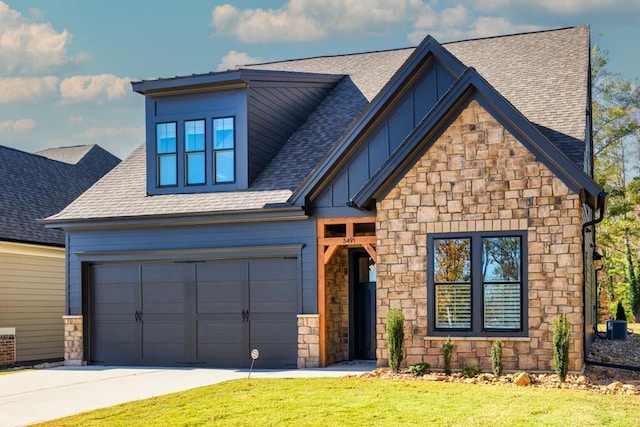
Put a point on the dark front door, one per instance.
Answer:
(363, 306)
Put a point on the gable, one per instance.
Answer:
(470, 86)
(403, 102)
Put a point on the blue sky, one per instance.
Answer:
(65, 65)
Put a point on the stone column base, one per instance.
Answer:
(308, 341)
(7, 346)
(73, 341)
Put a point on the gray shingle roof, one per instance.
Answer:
(543, 74)
(71, 155)
(34, 187)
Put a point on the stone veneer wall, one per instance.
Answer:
(478, 177)
(7, 346)
(337, 282)
(308, 341)
(73, 341)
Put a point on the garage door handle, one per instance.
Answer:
(138, 316)
(245, 315)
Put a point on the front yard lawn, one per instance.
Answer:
(367, 402)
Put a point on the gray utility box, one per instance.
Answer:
(616, 329)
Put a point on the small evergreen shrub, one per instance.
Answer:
(447, 349)
(395, 338)
(419, 369)
(620, 314)
(496, 358)
(561, 345)
(471, 371)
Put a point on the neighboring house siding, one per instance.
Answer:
(171, 240)
(32, 288)
(478, 177)
(429, 85)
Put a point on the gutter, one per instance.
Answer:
(601, 206)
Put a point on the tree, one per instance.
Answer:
(616, 136)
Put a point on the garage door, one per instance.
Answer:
(207, 313)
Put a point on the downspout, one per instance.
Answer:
(600, 205)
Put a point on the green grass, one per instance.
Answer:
(366, 402)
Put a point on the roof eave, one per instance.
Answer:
(276, 213)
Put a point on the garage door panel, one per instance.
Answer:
(219, 297)
(221, 341)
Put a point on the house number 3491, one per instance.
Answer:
(349, 240)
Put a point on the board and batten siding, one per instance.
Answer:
(32, 287)
(395, 124)
(97, 245)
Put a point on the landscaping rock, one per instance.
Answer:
(522, 379)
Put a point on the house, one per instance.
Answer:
(32, 257)
(287, 206)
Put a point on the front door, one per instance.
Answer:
(363, 306)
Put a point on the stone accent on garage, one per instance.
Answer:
(478, 177)
(7, 346)
(73, 341)
(308, 341)
(337, 282)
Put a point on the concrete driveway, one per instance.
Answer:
(32, 396)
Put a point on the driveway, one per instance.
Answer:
(33, 396)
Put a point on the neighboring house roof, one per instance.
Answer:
(70, 155)
(35, 186)
(544, 75)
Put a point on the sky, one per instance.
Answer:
(66, 65)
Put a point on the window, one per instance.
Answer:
(166, 154)
(475, 284)
(194, 134)
(223, 145)
(194, 157)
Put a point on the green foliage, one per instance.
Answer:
(620, 314)
(471, 371)
(395, 338)
(419, 369)
(447, 349)
(496, 358)
(561, 330)
(616, 135)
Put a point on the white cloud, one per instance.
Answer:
(31, 48)
(233, 59)
(309, 20)
(113, 132)
(22, 125)
(75, 120)
(85, 88)
(15, 89)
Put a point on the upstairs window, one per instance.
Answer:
(476, 284)
(194, 152)
(195, 155)
(223, 150)
(166, 154)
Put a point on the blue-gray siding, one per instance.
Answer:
(131, 244)
(394, 125)
(275, 112)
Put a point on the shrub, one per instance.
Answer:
(561, 345)
(471, 371)
(496, 358)
(395, 338)
(419, 369)
(620, 314)
(447, 349)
